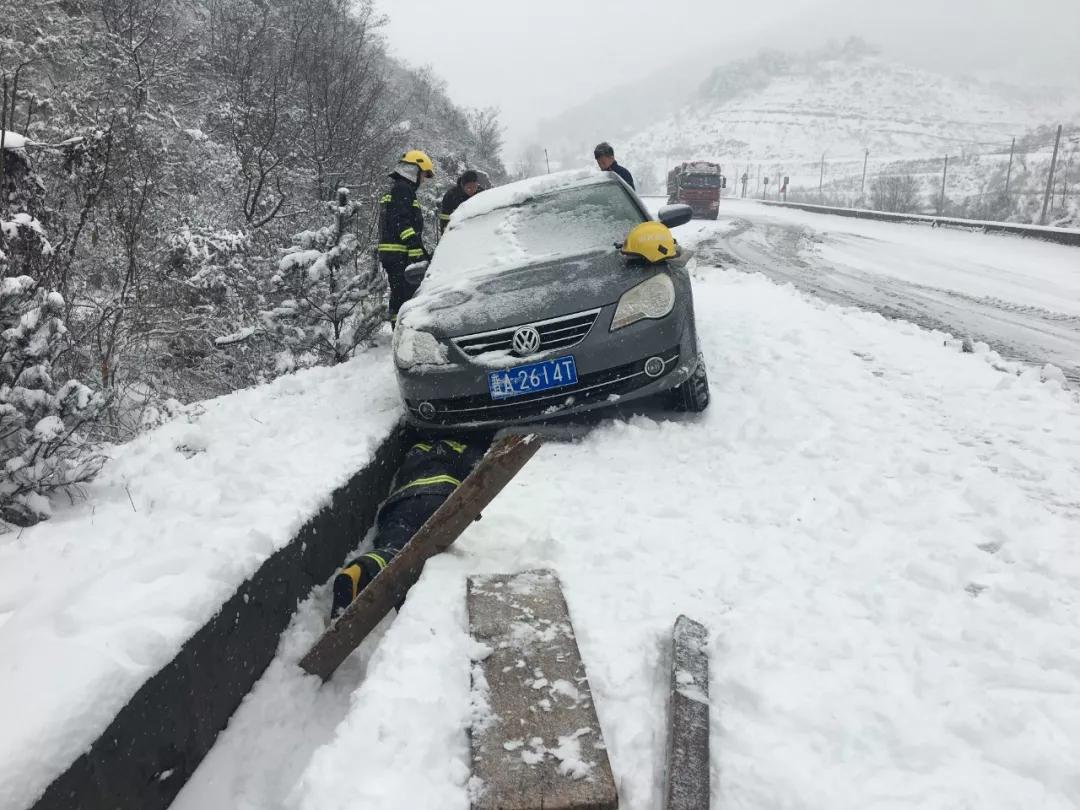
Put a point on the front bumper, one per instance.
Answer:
(611, 370)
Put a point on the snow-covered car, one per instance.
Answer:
(529, 310)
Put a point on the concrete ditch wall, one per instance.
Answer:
(159, 738)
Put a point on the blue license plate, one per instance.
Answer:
(514, 382)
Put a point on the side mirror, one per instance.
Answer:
(415, 273)
(675, 215)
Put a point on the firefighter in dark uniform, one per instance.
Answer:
(402, 226)
(431, 471)
(467, 185)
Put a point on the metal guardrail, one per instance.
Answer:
(1062, 236)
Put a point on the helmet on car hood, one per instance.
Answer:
(651, 241)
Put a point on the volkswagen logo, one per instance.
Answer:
(526, 341)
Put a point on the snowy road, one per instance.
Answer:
(879, 530)
(1022, 297)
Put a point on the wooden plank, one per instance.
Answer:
(536, 739)
(501, 463)
(688, 730)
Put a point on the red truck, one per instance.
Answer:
(698, 184)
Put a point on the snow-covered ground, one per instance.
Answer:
(878, 529)
(1021, 296)
(95, 601)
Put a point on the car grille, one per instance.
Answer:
(590, 388)
(555, 333)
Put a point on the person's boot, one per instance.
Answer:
(353, 578)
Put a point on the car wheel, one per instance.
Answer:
(693, 395)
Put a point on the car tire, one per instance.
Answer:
(692, 396)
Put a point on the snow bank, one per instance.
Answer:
(94, 602)
(879, 531)
(13, 140)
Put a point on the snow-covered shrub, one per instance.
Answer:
(41, 421)
(329, 297)
(897, 193)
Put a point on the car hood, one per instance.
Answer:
(522, 294)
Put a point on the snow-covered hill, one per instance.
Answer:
(779, 107)
(778, 114)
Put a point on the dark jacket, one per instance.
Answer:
(401, 223)
(450, 202)
(435, 467)
(623, 172)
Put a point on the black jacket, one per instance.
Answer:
(401, 223)
(450, 202)
(435, 467)
(623, 172)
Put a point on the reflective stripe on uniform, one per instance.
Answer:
(415, 203)
(423, 482)
(422, 446)
(385, 198)
(444, 217)
(457, 447)
(388, 248)
(408, 233)
(379, 561)
(416, 253)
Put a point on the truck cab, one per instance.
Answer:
(698, 184)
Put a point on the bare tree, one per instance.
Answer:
(897, 193)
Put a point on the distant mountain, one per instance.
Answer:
(783, 111)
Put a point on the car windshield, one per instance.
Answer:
(576, 221)
(701, 181)
(569, 222)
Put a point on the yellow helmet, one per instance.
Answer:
(418, 158)
(651, 241)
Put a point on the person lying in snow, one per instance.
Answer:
(431, 471)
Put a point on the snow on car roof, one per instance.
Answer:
(517, 193)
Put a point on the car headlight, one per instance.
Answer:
(414, 348)
(654, 298)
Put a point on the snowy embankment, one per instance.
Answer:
(879, 530)
(98, 599)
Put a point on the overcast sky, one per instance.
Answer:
(533, 58)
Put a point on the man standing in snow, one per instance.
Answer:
(402, 225)
(467, 185)
(605, 159)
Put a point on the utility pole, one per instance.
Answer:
(1008, 174)
(821, 182)
(1065, 181)
(1050, 179)
(944, 174)
(547, 160)
(862, 185)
